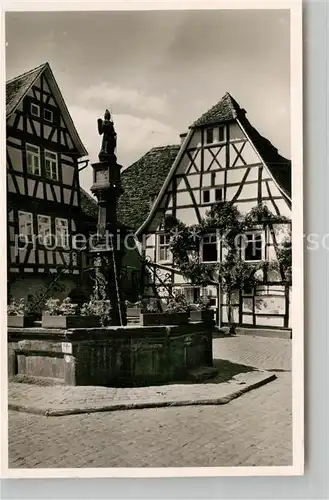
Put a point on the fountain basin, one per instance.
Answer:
(111, 356)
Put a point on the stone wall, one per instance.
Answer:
(110, 356)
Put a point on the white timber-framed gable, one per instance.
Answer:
(43, 149)
(223, 158)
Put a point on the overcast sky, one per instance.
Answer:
(158, 71)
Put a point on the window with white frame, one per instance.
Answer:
(221, 133)
(163, 247)
(209, 248)
(62, 232)
(192, 294)
(35, 109)
(44, 228)
(205, 196)
(25, 224)
(207, 294)
(33, 159)
(51, 165)
(209, 135)
(219, 194)
(253, 246)
(48, 115)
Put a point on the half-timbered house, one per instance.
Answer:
(43, 190)
(222, 157)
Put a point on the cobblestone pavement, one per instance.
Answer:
(252, 430)
(232, 381)
(263, 353)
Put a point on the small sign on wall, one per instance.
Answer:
(67, 347)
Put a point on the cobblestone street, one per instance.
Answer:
(253, 430)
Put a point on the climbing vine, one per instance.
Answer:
(232, 273)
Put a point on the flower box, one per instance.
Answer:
(74, 321)
(20, 321)
(154, 319)
(205, 316)
(133, 312)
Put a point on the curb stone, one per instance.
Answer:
(143, 405)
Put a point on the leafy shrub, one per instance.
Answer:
(203, 304)
(21, 308)
(152, 306)
(53, 307)
(101, 308)
(177, 303)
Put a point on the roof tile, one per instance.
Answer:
(142, 182)
(17, 87)
(227, 109)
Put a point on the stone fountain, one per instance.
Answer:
(116, 355)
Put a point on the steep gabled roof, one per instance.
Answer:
(226, 110)
(142, 182)
(17, 88)
(88, 204)
(279, 167)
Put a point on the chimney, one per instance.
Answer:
(182, 137)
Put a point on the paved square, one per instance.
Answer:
(253, 430)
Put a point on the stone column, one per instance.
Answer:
(107, 188)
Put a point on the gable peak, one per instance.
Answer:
(227, 109)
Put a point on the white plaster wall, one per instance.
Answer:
(195, 139)
(15, 155)
(235, 131)
(187, 216)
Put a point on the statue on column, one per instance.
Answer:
(109, 142)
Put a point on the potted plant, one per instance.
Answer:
(66, 315)
(202, 311)
(19, 314)
(100, 309)
(134, 309)
(176, 312)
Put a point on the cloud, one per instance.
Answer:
(119, 99)
(135, 136)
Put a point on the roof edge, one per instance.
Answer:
(45, 68)
(165, 184)
(283, 191)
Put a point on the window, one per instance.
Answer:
(25, 224)
(163, 247)
(192, 294)
(44, 228)
(206, 196)
(33, 159)
(207, 294)
(209, 136)
(62, 232)
(209, 248)
(252, 246)
(221, 134)
(219, 194)
(51, 165)
(48, 115)
(35, 109)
